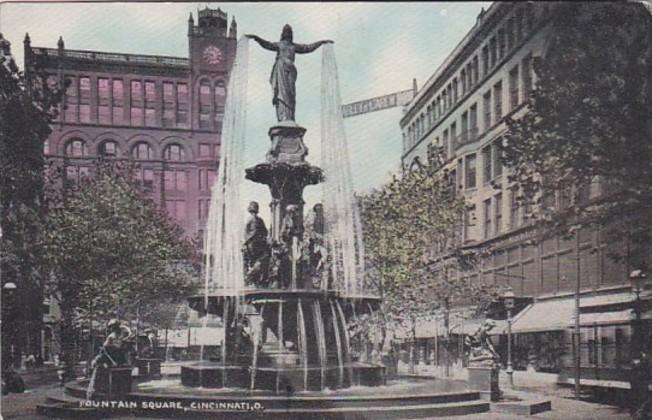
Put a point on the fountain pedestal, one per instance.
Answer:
(113, 382)
(149, 367)
(485, 380)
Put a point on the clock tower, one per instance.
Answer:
(212, 51)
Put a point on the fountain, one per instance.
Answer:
(286, 321)
(286, 296)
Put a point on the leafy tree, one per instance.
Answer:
(27, 106)
(412, 232)
(588, 122)
(112, 252)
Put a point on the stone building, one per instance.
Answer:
(460, 111)
(164, 113)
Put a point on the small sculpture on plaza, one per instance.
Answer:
(284, 73)
(481, 350)
(256, 249)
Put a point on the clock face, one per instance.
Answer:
(212, 55)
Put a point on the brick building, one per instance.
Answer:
(461, 111)
(164, 113)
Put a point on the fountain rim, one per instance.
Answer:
(285, 293)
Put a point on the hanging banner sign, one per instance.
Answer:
(378, 103)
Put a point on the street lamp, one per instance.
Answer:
(639, 380)
(8, 319)
(508, 299)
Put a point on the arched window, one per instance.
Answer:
(142, 151)
(220, 88)
(76, 148)
(174, 152)
(109, 148)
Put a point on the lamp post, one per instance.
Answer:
(639, 381)
(508, 299)
(8, 321)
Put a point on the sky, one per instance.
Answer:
(380, 48)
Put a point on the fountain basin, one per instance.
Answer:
(281, 380)
(408, 398)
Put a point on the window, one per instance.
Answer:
(450, 95)
(76, 148)
(71, 100)
(446, 150)
(473, 122)
(487, 110)
(109, 148)
(499, 213)
(174, 152)
(74, 174)
(526, 75)
(460, 174)
(85, 99)
(493, 50)
(485, 61)
(207, 150)
(501, 43)
(465, 127)
(510, 33)
(146, 178)
(497, 154)
(182, 105)
(583, 193)
(498, 101)
(118, 102)
(220, 98)
(487, 163)
(470, 162)
(142, 151)
(454, 139)
(103, 110)
(476, 70)
(455, 90)
(514, 208)
(150, 101)
(176, 209)
(469, 75)
(463, 79)
(168, 104)
(204, 104)
(136, 103)
(174, 180)
(487, 218)
(513, 87)
(519, 24)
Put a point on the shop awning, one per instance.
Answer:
(559, 314)
(549, 315)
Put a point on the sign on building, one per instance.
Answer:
(378, 103)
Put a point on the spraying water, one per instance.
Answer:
(343, 228)
(225, 225)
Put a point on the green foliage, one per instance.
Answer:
(27, 106)
(113, 253)
(589, 122)
(412, 232)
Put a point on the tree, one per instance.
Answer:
(412, 231)
(27, 107)
(112, 252)
(589, 122)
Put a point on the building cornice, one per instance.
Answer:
(461, 52)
